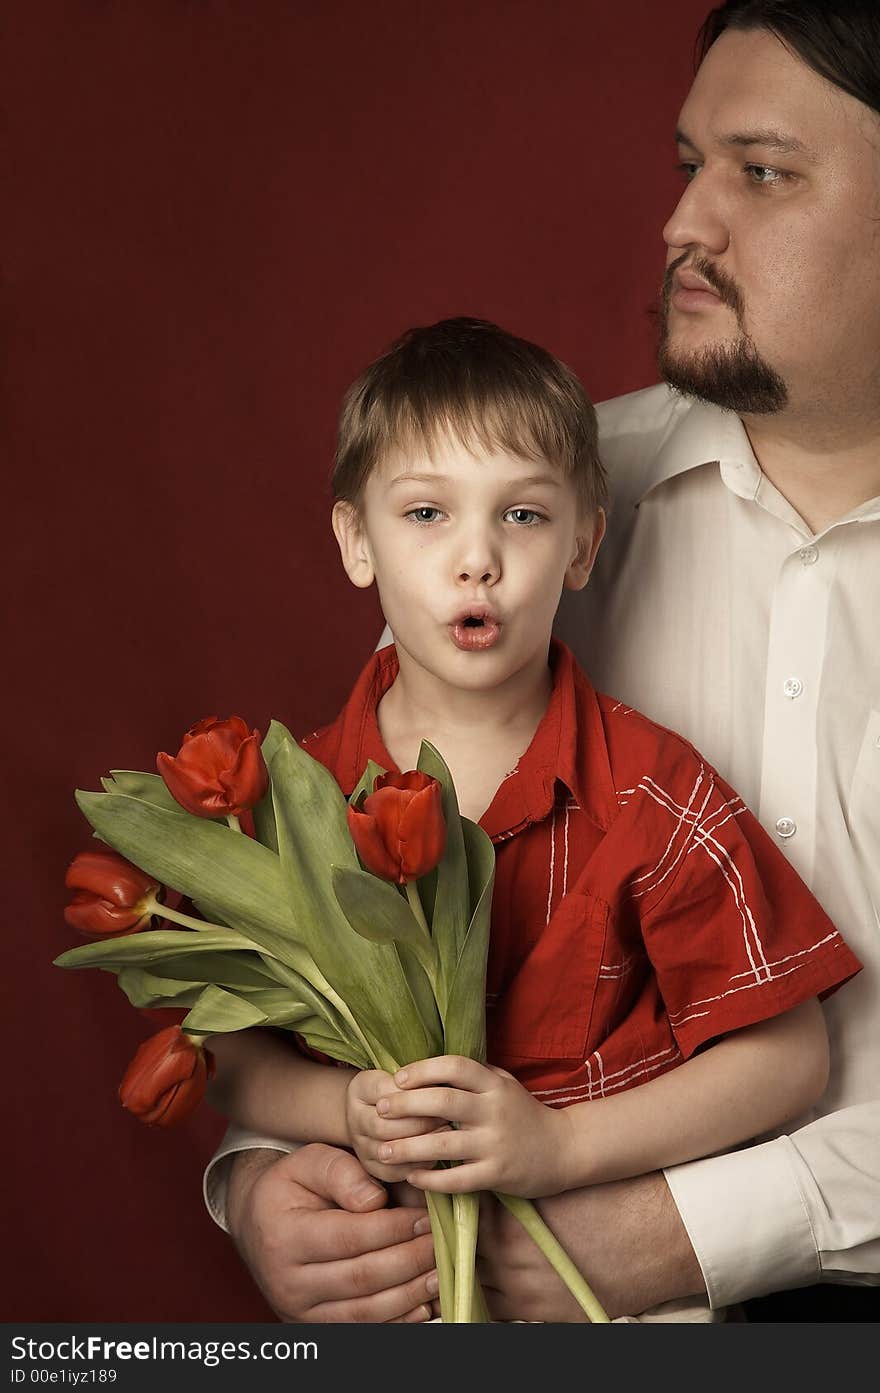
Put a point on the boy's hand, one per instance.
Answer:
(504, 1138)
(368, 1131)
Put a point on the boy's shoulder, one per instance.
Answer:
(333, 744)
(648, 757)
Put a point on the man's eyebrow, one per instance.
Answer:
(767, 138)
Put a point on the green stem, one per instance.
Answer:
(558, 1258)
(233, 822)
(162, 911)
(443, 1233)
(427, 953)
(466, 1209)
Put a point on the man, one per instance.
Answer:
(735, 600)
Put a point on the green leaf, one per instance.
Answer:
(150, 947)
(147, 989)
(150, 788)
(367, 780)
(375, 909)
(218, 1011)
(465, 1016)
(313, 836)
(423, 996)
(227, 876)
(451, 909)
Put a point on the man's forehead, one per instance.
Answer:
(751, 85)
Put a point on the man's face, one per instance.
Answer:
(470, 553)
(772, 294)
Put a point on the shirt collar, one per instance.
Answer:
(568, 747)
(705, 434)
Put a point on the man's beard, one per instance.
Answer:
(732, 375)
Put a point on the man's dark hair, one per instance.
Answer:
(839, 39)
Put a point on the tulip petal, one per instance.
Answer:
(371, 845)
(247, 781)
(422, 832)
(109, 876)
(197, 794)
(90, 915)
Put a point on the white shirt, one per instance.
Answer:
(715, 611)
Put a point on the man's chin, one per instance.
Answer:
(730, 375)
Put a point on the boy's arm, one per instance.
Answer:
(264, 1084)
(751, 1081)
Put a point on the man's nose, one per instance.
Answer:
(699, 218)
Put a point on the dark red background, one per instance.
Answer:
(217, 214)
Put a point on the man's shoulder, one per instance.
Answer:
(649, 411)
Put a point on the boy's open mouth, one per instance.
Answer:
(475, 629)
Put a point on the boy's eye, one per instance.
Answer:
(524, 517)
(423, 515)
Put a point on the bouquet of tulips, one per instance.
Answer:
(361, 925)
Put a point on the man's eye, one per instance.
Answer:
(423, 515)
(524, 517)
(689, 168)
(765, 174)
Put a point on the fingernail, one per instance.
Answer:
(422, 1225)
(383, 1105)
(432, 1285)
(384, 1152)
(401, 1076)
(367, 1191)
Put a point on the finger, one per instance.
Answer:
(336, 1235)
(447, 1145)
(459, 1180)
(335, 1175)
(382, 1129)
(452, 1104)
(455, 1069)
(421, 1313)
(378, 1286)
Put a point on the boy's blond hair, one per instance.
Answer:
(485, 387)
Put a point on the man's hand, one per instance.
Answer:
(320, 1243)
(626, 1237)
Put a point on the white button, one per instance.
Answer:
(792, 686)
(786, 826)
(809, 555)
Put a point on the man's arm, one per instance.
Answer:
(785, 1213)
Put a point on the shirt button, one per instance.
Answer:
(792, 687)
(809, 555)
(786, 826)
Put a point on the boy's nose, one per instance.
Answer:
(479, 562)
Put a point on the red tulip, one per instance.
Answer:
(398, 829)
(166, 1080)
(219, 769)
(112, 896)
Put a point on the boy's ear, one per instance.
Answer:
(354, 548)
(588, 543)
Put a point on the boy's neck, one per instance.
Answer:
(480, 733)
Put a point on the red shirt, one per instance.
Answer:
(639, 910)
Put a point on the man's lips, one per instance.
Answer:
(691, 292)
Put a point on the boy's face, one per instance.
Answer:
(470, 553)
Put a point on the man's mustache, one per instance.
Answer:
(723, 285)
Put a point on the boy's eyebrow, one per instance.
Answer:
(768, 138)
(533, 479)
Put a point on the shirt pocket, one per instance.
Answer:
(547, 1009)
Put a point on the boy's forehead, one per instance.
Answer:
(450, 458)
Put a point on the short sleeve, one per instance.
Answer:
(733, 933)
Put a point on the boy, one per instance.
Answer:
(640, 913)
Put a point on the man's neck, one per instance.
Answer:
(824, 470)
